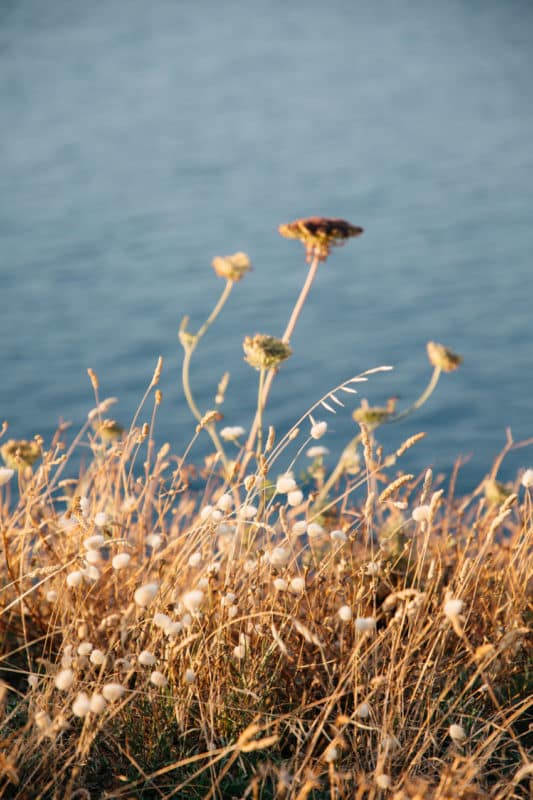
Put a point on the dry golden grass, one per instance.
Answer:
(390, 659)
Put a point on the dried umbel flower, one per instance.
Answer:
(285, 484)
(81, 705)
(146, 658)
(453, 607)
(319, 234)
(421, 513)
(121, 560)
(232, 432)
(193, 600)
(345, 613)
(265, 352)
(158, 679)
(495, 492)
(233, 267)
(19, 454)
(64, 680)
(318, 429)
(443, 358)
(113, 691)
(108, 429)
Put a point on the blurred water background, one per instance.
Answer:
(138, 140)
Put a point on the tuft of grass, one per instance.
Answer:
(291, 632)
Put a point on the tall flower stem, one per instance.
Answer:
(289, 330)
(260, 406)
(190, 342)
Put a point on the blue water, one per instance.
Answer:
(138, 140)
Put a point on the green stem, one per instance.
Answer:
(426, 394)
(189, 348)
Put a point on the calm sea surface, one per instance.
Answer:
(138, 140)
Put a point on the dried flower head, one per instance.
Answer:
(265, 352)
(527, 479)
(19, 454)
(233, 267)
(319, 234)
(443, 358)
(495, 492)
(5, 475)
(108, 430)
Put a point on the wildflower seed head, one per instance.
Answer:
(265, 352)
(189, 676)
(85, 649)
(338, 536)
(154, 540)
(51, 596)
(280, 556)
(101, 519)
(81, 705)
(146, 658)
(443, 358)
(297, 585)
(372, 415)
(64, 680)
(232, 432)
(5, 475)
(318, 429)
(362, 711)
(97, 703)
(365, 624)
(232, 268)
(108, 430)
(193, 600)
(383, 781)
(97, 657)
(145, 594)
(33, 681)
(74, 578)
(195, 560)
(18, 454)
(457, 733)
(453, 607)
(158, 679)
(295, 498)
(42, 720)
(527, 479)
(317, 451)
(285, 484)
(319, 234)
(299, 528)
(121, 560)
(225, 502)
(345, 613)
(113, 692)
(94, 542)
(280, 584)
(331, 754)
(421, 513)
(314, 530)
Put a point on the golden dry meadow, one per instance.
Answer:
(238, 629)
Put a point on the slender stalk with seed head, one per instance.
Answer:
(190, 342)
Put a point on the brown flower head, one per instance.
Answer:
(233, 268)
(319, 234)
(441, 357)
(265, 352)
(374, 415)
(18, 453)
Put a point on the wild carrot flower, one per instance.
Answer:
(265, 352)
(19, 453)
(319, 234)
(232, 268)
(145, 594)
(443, 358)
(317, 451)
